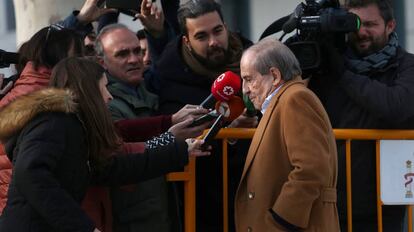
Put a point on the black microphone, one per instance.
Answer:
(292, 23)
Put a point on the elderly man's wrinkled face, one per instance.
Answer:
(207, 39)
(255, 85)
(374, 32)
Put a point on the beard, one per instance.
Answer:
(375, 44)
(217, 57)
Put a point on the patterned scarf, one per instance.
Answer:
(235, 49)
(374, 61)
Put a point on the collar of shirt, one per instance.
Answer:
(268, 99)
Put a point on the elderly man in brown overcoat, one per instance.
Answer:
(289, 178)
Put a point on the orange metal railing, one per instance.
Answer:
(188, 176)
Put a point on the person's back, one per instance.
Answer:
(372, 89)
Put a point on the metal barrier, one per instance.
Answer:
(188, 176)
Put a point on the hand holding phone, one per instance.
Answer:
(211, 134)
(205, 118)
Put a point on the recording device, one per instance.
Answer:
(250, 110)
(230, 110)
(225, 86)
(205, 118)
(316, 22)
(7, 58)
(128, 7)
(211, 134)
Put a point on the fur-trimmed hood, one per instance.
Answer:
(18, 113)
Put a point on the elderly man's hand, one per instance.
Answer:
(188, 112)
(151, 18)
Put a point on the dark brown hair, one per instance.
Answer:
(195, 8)
(384, 6)
(82, 75)
(49, 45)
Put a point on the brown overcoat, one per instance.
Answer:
(291, 166)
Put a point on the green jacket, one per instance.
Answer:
(126, 105)
(144, 206)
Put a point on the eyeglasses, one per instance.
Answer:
(52, 27)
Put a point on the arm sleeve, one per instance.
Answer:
(308, 134)
(131, 168)
(40, 150)
(72, 22)
(392, 102)
(142, 129)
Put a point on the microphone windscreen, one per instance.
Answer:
(230, 109)
(225, 86)
(250, 110)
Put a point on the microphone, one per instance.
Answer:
(250, 110)
(225, 86)
(227, 111)
(292, 23)
(230, 109)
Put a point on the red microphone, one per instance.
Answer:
(225, 86)
(230, 109)
(227, 111)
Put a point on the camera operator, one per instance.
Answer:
(368, 87)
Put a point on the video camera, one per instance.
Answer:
(7, 58)
(316, 22)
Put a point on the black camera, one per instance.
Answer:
(7, 58)
(316, 22)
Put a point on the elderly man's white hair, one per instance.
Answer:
(270, 52)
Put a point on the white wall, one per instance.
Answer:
(7, 38)
(409, 25)
(265, 12)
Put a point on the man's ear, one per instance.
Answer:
(390, 27)
(102, 62)
(277, 76)
(186, 42)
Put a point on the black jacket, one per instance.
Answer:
(177, 85)
(51, 172)
(381, 99)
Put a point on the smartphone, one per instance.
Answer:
(100, 3)
(211, 134)
(205, 118)
(124, 5)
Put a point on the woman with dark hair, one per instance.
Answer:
(62, 139)
(42, 52)
(38, 55)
